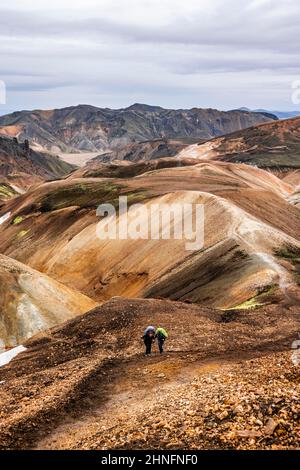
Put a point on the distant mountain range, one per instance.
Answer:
(274, 145)
(89, 129)
(279, 114)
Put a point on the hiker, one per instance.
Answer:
(161, 335)
(149, 338)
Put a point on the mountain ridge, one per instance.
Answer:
(89, 128)
(23, 166)
(274, 146)
(59, 222)
(279, 114)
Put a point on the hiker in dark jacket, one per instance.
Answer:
(149, 338)
(161, 335)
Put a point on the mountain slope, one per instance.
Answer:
(7, 191)
(23, 166)
(31, 302)
(274, 146)
(251, 242)
(86, 385)
(141, 151)
(126, 169)
(87, 128)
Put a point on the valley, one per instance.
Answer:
(77, 305)
(78, 159)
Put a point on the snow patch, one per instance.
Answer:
(7, 356)
(5, 217)
(17, 189)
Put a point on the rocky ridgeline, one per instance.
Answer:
(88, 128)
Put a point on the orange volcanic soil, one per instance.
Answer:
(251, 239)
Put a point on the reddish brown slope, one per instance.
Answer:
(251, 235)
(274, 145)
(22, 166)
(89, 376)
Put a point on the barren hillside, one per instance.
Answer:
(228, 379)
(22, 166)
(251, 236)
(274, 145)
(224, 382)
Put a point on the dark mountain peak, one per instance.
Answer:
(144, 108)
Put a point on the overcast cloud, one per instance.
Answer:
(112, 53)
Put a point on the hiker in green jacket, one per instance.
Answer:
(161, 335)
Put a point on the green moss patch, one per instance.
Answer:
(22, 234)
(6, 192)
(256, 301)
(288, 253)
(87, 195)
(17, 220)
(248, 304)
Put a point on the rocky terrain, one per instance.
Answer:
(21, 166)
(142, 151)
(224, 383)
(76, 305)
(87, 128)
(274, 146)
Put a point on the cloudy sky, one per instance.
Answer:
(174, 53)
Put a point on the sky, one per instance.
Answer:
(223, 54)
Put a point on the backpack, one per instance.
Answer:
(162, 332)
